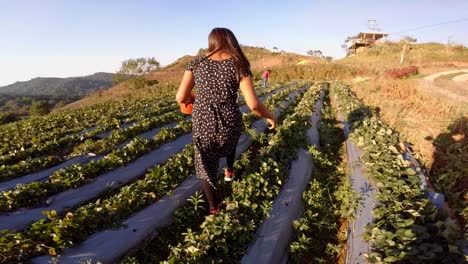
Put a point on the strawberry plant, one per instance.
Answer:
(329, 200)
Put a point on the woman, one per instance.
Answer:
(265, 76)
(216, 119)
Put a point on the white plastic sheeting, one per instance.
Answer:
(273, 237)
(356, 246)
(150, 134)
(85, 131)
(110, 245)
(43, 175)
(435, 198)
(121, 126)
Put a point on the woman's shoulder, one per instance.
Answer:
(198, 59)
(195, 61)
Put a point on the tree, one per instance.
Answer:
(407, 40)
(60, 104)
(345, 49)
(39, 108)
(410, 39)
(318, 54)
(315, 53)
(8, 117)
(12, 105)
(202, 51)
(135, 70)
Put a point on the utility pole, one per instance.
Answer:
(403, 52)
(419, 60)
(449, 43)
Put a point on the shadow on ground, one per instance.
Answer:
(449, 172)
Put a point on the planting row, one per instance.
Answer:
(406, 227)
(329, 202)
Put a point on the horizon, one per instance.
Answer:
(53, 39)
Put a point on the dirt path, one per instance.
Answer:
(434, 76)
(461, 78)
(453, 90)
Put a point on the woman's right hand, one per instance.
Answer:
(272, 123)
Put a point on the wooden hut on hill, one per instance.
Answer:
(362, 41)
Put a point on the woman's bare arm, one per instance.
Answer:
(185, 88)
(252, 101)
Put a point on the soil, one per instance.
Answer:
(454, 90)
(434, 76)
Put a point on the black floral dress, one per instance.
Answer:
(216, 119)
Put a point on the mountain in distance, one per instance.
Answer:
(75, 87)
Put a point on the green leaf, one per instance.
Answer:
(393, 149)
(410, 172)
(409, 233)
(391, 259)
(52, 251)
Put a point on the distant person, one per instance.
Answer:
(216, 119)
(265, 76)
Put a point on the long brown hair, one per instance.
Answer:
(222, 39)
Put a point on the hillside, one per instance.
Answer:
(429, 108)
(428, 56)
(73, 86)
(169, 75)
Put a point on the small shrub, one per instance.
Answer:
(402, 72)
(8, 117)
(39, 108)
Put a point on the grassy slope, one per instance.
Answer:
(170, 75)
(405, 104)
(425, 55)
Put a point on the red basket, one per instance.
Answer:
(186, 108)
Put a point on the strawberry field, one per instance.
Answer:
(115, 183)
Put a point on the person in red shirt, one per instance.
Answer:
(265, 76)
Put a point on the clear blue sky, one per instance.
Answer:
(58, 38)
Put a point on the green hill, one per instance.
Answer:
(68, 87)
(16, 99)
